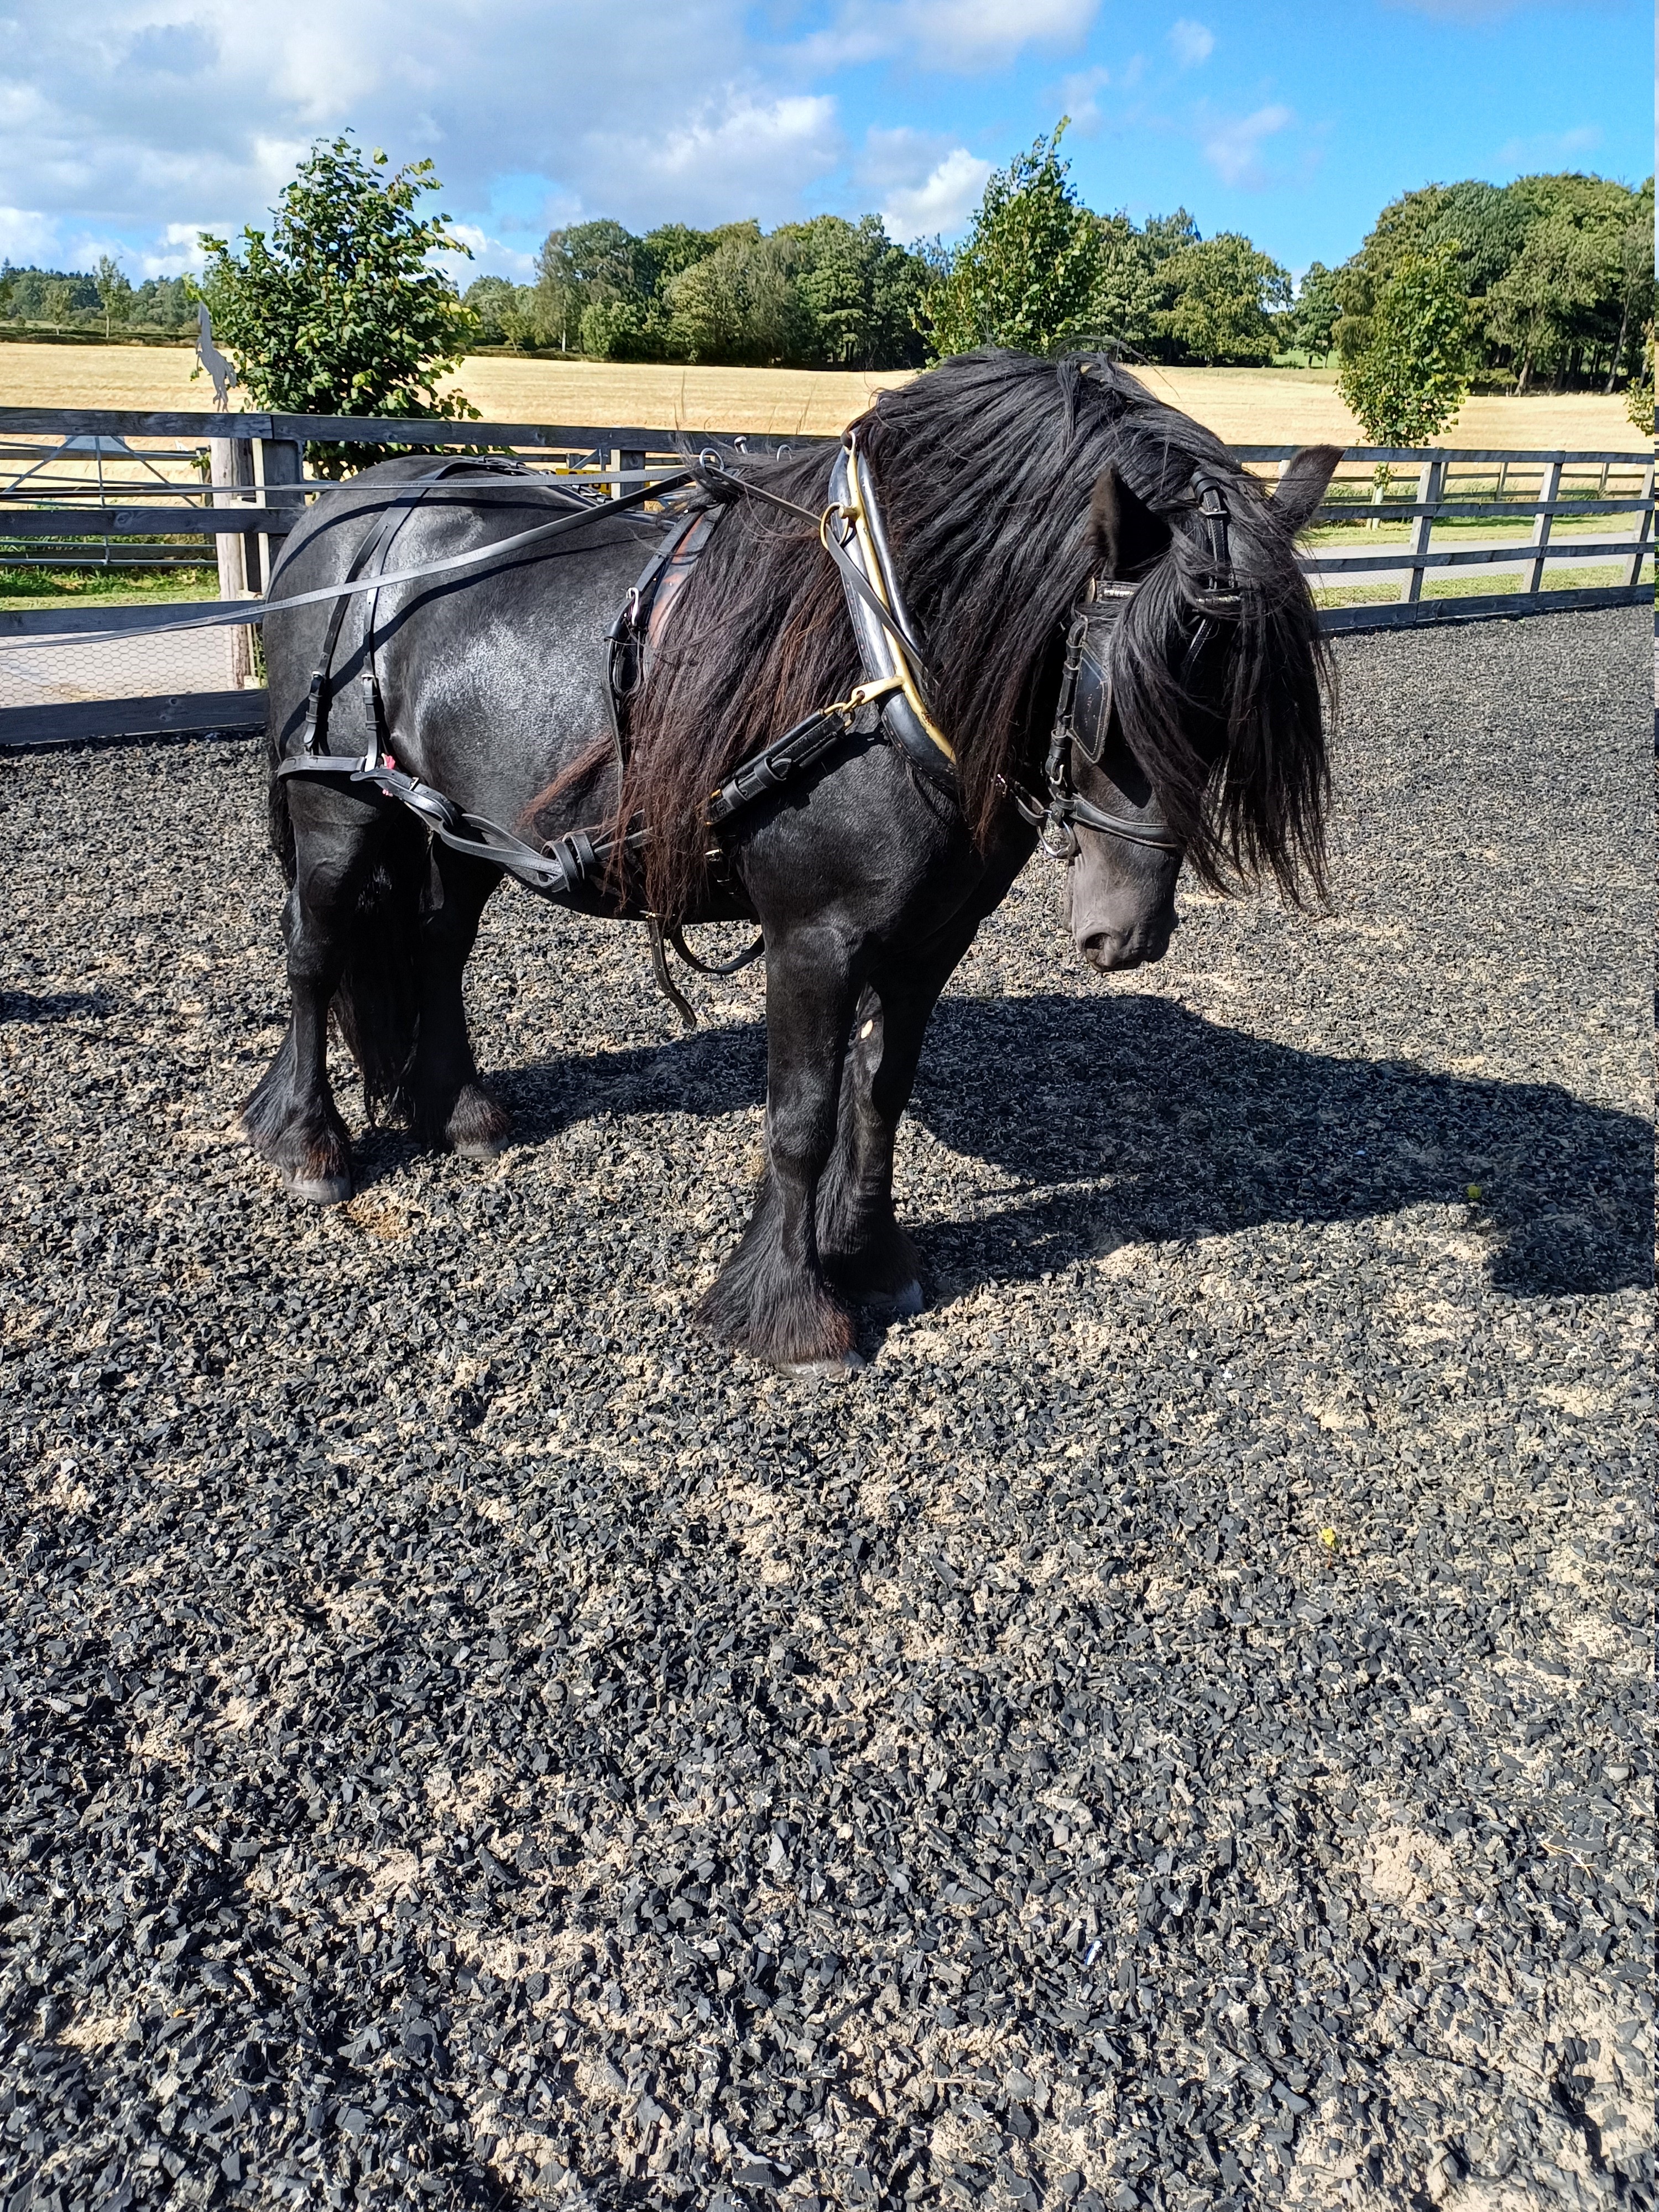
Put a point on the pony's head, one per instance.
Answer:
(1197, 731)
(1013, 485)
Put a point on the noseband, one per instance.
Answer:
(1082, 718)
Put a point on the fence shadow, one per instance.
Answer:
(1162, 1126)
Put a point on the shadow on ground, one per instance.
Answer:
(1165, 1125)
(51, 1005)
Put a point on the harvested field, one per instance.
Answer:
(1247, 407)
(1169, 1734)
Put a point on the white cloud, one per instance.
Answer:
(1191, 42)
(25, 236)
(948, 35)
(938, 204)
(1492, 11)
(1080, 95)
(1546, 147)
(123, 118)
(489, 254)
(1233, 149)
(923, 185)
(728, 161)
(110, 123)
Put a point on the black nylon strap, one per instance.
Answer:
(397, 514)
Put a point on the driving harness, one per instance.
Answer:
(889, 702)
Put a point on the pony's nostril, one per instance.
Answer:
(1109, 949)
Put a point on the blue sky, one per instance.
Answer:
(126, 126)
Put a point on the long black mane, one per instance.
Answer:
(986, 467)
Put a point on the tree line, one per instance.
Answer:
(824, 294)
(1555, 274)
(103, 297)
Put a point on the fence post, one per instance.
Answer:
(622, 457)
(231, 464)
(1643, 524)
(1541, 528)
(284, 465)
(1428, 496)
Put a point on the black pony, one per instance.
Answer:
(1011, 488)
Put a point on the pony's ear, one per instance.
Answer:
(1303, 486)
(1122, 530)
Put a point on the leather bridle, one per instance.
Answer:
(1083, 718)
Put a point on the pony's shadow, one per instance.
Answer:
(50, 1005)
(1128, 1119)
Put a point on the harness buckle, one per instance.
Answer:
(863, 695)
(1057, 838)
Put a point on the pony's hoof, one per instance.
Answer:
(897, 1305)
(477, 1128)
(815, 1371)
(482, 1148)
(317, 1190)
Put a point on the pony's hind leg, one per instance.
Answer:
(771, 1297)
(452, 1106)
(291, 1119)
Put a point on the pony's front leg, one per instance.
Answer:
(771, 1297)
(291, 1119)
(865, 1253)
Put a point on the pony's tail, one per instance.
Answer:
(376, 1008)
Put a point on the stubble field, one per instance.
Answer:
(1244, 406)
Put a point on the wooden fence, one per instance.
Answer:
(236, 482)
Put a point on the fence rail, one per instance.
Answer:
(243, 485)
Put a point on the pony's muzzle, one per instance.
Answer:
(1120, 915)
(1109, 950)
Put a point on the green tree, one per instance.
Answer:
(483, 299)
(1638, 395)
(1124, 303)
(1412, 375)
(663, 253)
(1311, 323)
(1221, 290)
(57, 300)
(152, 300)
(338, 311)
(1636, 285)
(741, 303)
(862, 294)
(1487, 224)
(114, 292)
(1538, 307)
(1025, 275)
(583, 265)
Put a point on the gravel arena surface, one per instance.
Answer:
(1169, 1733)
